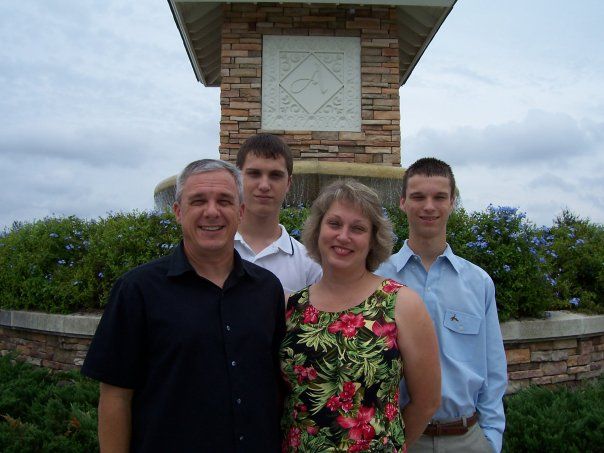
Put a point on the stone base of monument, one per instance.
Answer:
(311, 176)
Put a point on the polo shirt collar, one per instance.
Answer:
(405, 253)
(283, 243)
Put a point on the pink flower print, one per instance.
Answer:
(348, 324)
(347, 405)
(311, 315)
(334, 403)
(388, 331)
(391, 286)
(312, 430)
(348, 390)
(359, 445)
(293, 437)
(305, 373)
(390, 410)
(360, 428)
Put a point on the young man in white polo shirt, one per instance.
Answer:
(266, 164)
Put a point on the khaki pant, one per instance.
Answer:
(473, 441)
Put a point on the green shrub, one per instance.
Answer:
(508, 248)
(41, 264)
(562, 420)
(62, 265)
(41, 411)
(576, 259)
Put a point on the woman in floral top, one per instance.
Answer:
(349, 335)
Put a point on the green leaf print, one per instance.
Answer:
(315, 336)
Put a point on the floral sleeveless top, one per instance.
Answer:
(343, 370)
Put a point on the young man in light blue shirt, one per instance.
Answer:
(460, 298)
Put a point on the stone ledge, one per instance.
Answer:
(76, 324)
(557, 324)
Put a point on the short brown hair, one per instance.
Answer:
(267, 146)
(429, 166)
(367, 200)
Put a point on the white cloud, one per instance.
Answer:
(543, 138)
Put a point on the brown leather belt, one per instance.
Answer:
(456, 428)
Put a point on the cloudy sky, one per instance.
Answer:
(98, 104)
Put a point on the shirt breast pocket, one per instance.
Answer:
(460, 335)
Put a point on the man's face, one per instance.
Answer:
(209, 212)
(428, 204)
(265, 184)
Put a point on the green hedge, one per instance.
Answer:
(63, 265)
(562, 420)
(42, 411)
(49, 412)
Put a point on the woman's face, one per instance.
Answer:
(344, 237)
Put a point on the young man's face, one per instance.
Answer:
(209, 212)
(428, 204)
(265, 184)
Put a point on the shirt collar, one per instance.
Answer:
(284, 241)
(405, 253)
(179, 264)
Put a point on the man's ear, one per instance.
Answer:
(401, 204)
(176, 211)
(241, 211)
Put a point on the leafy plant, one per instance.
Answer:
(561, 420)
(41, 411)
(62, 265)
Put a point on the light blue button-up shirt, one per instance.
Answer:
(460, 298)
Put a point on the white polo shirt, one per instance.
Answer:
(286, 258)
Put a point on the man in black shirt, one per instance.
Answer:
(187, 349)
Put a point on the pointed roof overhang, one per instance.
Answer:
(200, 23)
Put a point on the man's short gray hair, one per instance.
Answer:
(204, 166)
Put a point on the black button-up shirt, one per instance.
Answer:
(202, 360)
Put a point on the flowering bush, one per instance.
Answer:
(69, 264)
(575, 255)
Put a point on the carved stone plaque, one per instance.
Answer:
(311, 83)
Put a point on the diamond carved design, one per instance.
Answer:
(311, 84)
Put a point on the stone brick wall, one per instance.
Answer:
(58, 352)
(550, 362)
(555, 361)
(241, 63)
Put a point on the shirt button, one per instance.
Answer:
(228, 327)
(240, 437)
(238, 400)
(233, 363)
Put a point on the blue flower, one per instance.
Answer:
(579, 242)
(506, 268)
(61, 262)
(53, 235)
(575, 301)
(101, 275)
(69, 247)
(296, 233)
